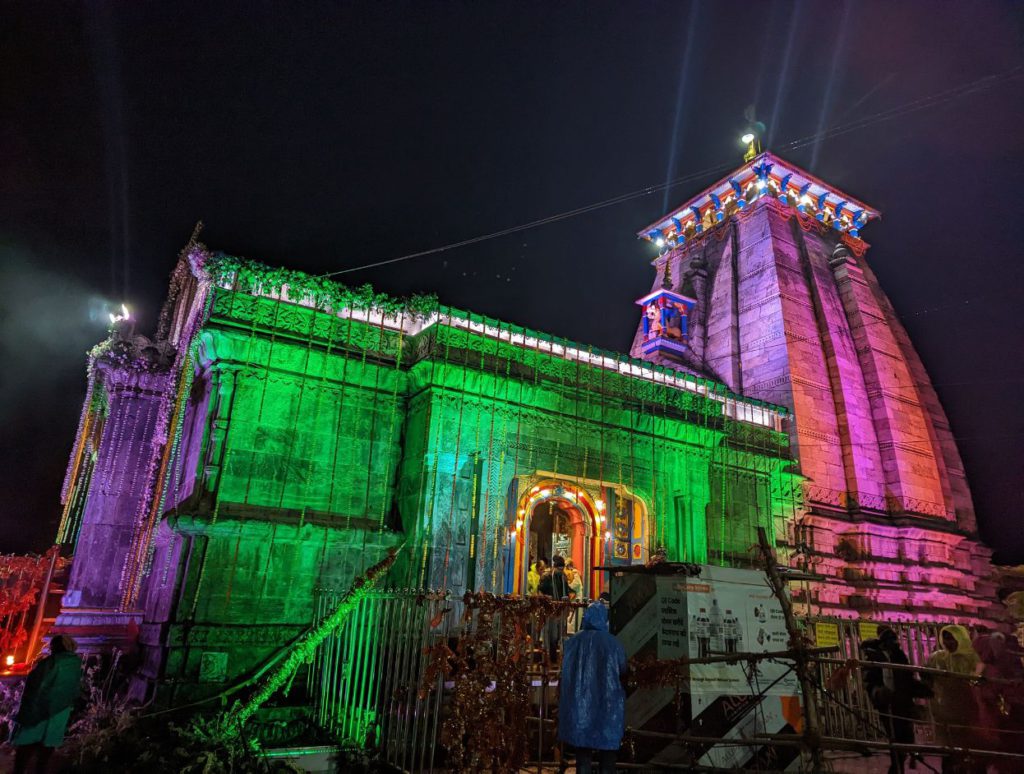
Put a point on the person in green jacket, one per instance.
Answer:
(51, 689)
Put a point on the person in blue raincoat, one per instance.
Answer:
(591, 699)
(50, 692)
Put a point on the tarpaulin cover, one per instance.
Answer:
(591, 700)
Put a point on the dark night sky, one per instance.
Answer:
(324, 135)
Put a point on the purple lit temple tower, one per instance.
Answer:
(762, 283)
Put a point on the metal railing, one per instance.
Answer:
(367, 679)
(847, 710)
(369, 686)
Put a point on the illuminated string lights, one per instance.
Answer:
(763, 175)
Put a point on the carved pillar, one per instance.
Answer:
(223, 381)
(137, 378)
(698, 276)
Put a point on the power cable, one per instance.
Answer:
(981, 84)
(902, 318)
(948, 95)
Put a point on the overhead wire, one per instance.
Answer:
(882, 321)
(922, 103)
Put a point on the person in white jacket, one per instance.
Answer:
(575, 594)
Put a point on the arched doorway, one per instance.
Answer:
(556, 517)
(596, 523)
(556, 528)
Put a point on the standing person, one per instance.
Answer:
(51, 689)
(591, 699)
(1002, 700)
(575, 594)
(892, 691)
(955, 705)
(533, 578)
(556, 586)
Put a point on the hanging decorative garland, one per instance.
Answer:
(485, 729)
(325, 294)
(231, 724)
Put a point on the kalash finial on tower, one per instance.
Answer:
(750, 140)
(763, 181)
(751, 137)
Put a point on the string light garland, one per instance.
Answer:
(233, 721)
(488, 663)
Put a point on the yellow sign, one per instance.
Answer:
(868, 630)
(826, 635)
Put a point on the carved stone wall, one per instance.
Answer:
(793, 316)
(310, 441)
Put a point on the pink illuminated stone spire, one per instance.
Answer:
(783, 307)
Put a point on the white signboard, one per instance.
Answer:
(721, 611)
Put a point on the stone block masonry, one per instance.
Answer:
(796, 316)
(293, 431)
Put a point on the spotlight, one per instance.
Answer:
(9, 661)
(116, 318)
(659, 242)
(747, 138)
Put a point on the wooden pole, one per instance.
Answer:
(44, 597)
(812, 732)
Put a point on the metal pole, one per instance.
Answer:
(542, 707)
(812, 730)
(44, 597)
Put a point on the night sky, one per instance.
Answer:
(323, 136)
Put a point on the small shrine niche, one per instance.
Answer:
(666, 323)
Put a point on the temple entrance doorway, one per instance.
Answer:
(558, 530)
(595, 525)
(555, 518)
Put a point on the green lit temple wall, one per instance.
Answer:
(490, 412)
(325, 439)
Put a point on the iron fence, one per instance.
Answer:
(368, 678)
(846, 708)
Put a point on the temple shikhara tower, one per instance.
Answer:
(763, 283)
(280, 432)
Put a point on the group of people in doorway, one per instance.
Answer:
(978, 704)
(560, 581)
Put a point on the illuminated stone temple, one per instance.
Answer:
(280, 432)
(762, 284)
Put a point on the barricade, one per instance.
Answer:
(370, 684)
